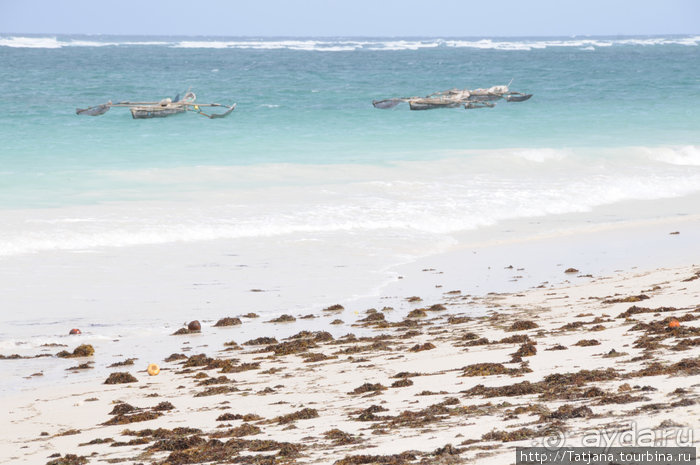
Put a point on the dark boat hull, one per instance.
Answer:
(517, 97)
(155, 111)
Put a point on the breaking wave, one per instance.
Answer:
(344, 45)
(436, 198)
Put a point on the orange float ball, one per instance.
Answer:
(674, 324)
(74, 331)
(153, 369)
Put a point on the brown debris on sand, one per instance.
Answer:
(522, 325)
(83, 350)
(587, 343)
(303, 414)
(69, 459)
(368, 387)
(283, 319)
(120, 377)
(489, 369)
(228, 321)
(261, 341)
(632, 298)
(422, 347)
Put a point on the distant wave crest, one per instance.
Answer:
(344, 45)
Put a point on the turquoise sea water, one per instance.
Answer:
(615, 118)
(306, 191)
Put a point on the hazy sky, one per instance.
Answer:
(352, 17)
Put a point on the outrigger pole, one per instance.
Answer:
(165, 107)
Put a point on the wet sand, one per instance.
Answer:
(459, 379)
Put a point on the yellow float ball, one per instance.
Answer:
(153, 369)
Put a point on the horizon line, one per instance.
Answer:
(349, 36)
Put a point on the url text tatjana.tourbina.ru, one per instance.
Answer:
(605, 456)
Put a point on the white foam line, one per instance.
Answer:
(352, 45)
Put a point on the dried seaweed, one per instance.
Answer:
(83, 350)
(228, 321)
(120, 377)
(522, 325)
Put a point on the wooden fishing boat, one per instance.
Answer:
(161, 109)
(454, 98)
(479, 104)
(156, 111)
(432, 103)
(516, 97)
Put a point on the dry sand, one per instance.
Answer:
(542, 366)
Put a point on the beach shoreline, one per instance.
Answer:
(422, 393)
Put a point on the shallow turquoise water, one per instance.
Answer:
(314, 106)
(612, 119)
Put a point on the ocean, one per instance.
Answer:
(305, 170)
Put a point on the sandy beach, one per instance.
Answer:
(327, 276)
(441, 376)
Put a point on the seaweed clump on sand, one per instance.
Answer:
(120, 377)
(216, 390)
(340, 438)
(587, 343)
(516, 339)
(163, 406)
(125, 419)
(174, 357)
(455, 320)
(417, 313)
(162, 433)
(228, 321)
(69, 459)
(525, 350)
(283, 319)
(394, 459)
(368, 414)
(313, 357)
(489, 369)
(122, 408)
(422, 347)
(83, 350)
(687, 367)
(177, 443)
(183, 331)
(522, 325)
(515, 435)
(632, 298)
(210, 381)
(473, 339)
(291, 347)
(261, 341)
(303, 414)
(316, 336)
(374, 316)
(217, 451)
(566, 412)
(334, 308)
(554, 386)
(246, 429)
(368, 387)
(238, 416)
(403, 382)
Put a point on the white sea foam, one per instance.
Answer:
(688, 155)
(30, 42)
(435, 198)
(344, 45)
(54, 42)
(542, 155)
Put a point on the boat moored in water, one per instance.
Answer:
(161, 109)
(454, 98)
